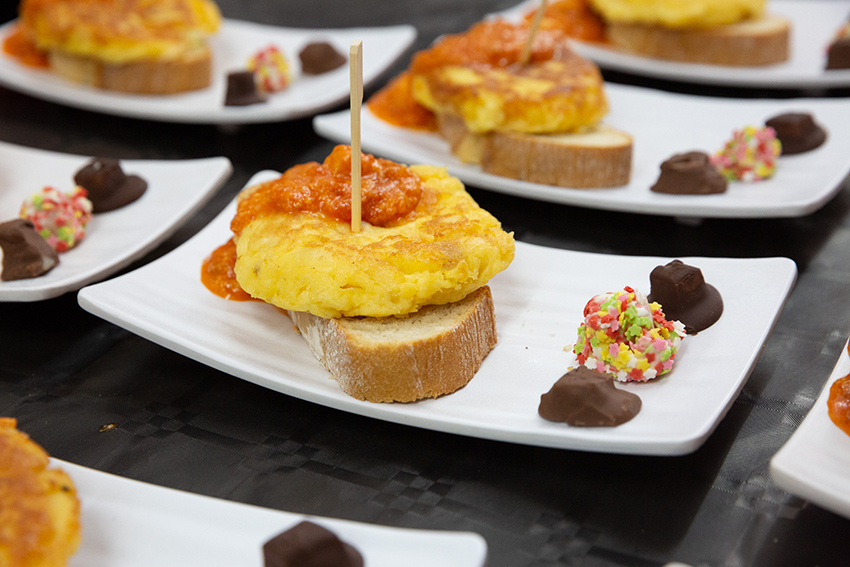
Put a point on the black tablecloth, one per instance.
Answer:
(65, 373)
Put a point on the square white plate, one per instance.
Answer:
(815, 462)
(176, 190)
(539, 301)
(662, 124)
(814, 24)
(235, 42)
(127, 523)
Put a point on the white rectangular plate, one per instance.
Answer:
(662, 124)
(176, 190)
(235, 42)
(539, 301)
(814, 24)
(815, 461)
(126, 523)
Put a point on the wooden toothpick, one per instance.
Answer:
(356, 67)
(532, 31)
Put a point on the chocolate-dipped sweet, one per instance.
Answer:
(684, 296)
(25, 253)
(838, 54)
(309, 545)
(242, 89)
(107, 186)
(584, 397)
(320, 57)
(690, 173)
(797, 131)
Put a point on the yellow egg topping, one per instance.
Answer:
(478, 76)
(679, 13)
(439, 252)
(120, 31)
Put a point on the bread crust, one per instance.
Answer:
(599, 156)
(425, 355)
(191, 71)
(757, 42)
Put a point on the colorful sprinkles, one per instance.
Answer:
(750, 155)
(60, 218)
(626, 336)
(271, 69)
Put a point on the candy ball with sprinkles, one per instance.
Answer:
(271, 69)
(628, 337)
(60, 218)
(750, 155)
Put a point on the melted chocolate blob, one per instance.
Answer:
(838, 54)
(107, 186)
(690, 173)
(587, 398)
(25, 253)
(309, 545)
(797, 132)
(684, 296)
(242, 89)
(320, 57)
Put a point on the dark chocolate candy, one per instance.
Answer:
(320, 57)
(107, 186)
(25, 253)
(690, 173)
(838, 54)
(684, 296)
(242, 89)
(587, 398)
(797, 132)
(309, 545)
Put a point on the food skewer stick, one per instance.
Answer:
(356, 67)
(532, 31)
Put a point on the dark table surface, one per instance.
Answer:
(65, 373)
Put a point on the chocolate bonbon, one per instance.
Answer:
(107, 185)
(309, 545)
(584, 397)
(320, 57)
(25, 254)
(684, 296)
(797, 131)
(689, 173)
(242, 89)
(838, 54)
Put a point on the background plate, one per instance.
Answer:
(176, 190)
(662, 124)
(232, 46)
(815, 461)
(126, 523)
(815, 23)
(537, 311)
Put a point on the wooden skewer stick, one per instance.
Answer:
(355, 61)
(532, 31)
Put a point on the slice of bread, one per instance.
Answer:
(430, 353)
(599, 156)
(191, 71)
(755, 42)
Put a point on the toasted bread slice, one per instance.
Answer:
(599, 156)
(430, 353)
(754, 42)
(191, 71)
